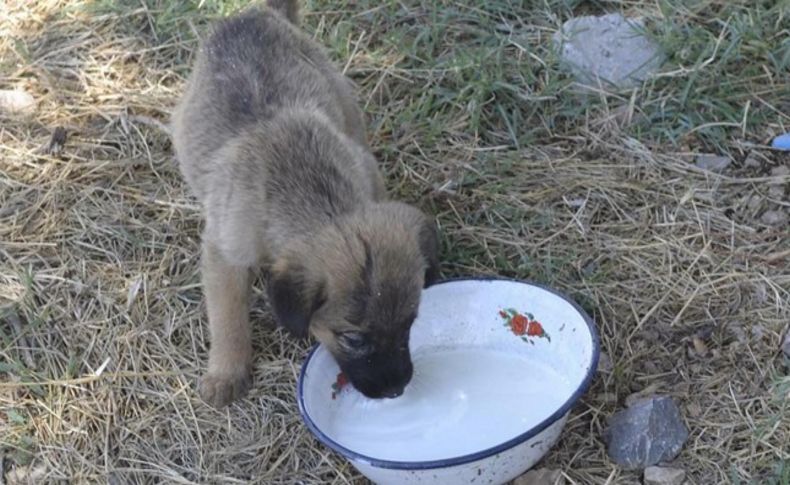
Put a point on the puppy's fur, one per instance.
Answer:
(269, 137)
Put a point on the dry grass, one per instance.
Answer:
(103, 334)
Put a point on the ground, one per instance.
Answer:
(473, 119)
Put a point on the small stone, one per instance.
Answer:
(16, 101)
(694, 410)
(649, 335)
(542, 476)
(776, 192)
(775, 218)
(754, 202)
(700, 347)
(657, 475)
(780, 171)
(608, 49)
(752, 160)
(26, 474)
(609, 398)
(777, 185)
(786, 344)
(759, 293)
(651, 367)
(115, 478)
(605, 363)
(714, 163)
(648, 432)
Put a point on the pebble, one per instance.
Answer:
(754, 202)
(605, 364)
(736, 329)
(657, 475)
(26, 474)
(648, 432)
(752, 160)
(694, 410)
(700, 347)
(776, 192)
(16, 101)
(780, 171)
(775, 218)
(714, 163)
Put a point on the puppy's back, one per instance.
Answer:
(250, 67)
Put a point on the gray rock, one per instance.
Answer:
(16, 101)
(714, 163)
(775, 218)
(786, 344)
(648, 432)
(656, 475)
(608, 50)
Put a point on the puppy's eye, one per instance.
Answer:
(354, 341)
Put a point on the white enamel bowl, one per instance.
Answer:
(498, 364)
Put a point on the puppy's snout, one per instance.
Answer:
(379, 379)
(376, 391)
(393, 392)
(399, 381)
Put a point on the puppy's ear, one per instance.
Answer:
(294, 297)
(429, 246)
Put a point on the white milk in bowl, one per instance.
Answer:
(460, 401)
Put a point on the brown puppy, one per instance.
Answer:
(270, 139)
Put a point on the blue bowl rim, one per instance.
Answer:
(479, 455)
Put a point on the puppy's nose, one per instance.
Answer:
(393, 392)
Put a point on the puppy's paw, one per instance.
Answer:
(219, 390)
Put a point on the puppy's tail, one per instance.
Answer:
(288, 8)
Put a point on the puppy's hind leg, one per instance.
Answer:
(227, 292)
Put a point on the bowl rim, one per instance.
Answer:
(478, 455)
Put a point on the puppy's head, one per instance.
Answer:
(356, 287)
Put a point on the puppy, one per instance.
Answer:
(269, 138)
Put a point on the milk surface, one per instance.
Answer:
(459, 401)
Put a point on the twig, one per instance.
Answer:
(24, 345)
(147, 120)
(86, 379)
(773, 257)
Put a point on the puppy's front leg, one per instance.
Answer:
(227, 291)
